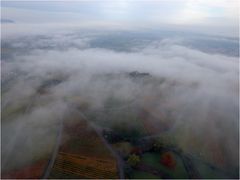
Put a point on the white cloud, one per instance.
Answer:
(202, 88)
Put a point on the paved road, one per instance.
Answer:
(98, 130)
(55, 151)
(187, 162)
(190, 167)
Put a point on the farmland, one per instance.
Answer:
(82, 154)
(124, 138)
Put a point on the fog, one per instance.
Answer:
(200, 88)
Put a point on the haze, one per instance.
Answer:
(113, 61)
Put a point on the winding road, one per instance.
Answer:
(98, 130)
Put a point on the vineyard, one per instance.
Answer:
(33, 171)
(82, 154)
(69, 165)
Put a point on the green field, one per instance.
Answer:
(153, 159)
(142, 175)
(208, 172)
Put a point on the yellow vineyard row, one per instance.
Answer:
(109, 164)
(89, 167)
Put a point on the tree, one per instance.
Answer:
(168, 160)
(133, 160)
(158, 145)
(136, 150)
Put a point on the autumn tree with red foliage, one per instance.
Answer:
(168, 160)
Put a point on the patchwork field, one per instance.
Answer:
(33, 171)
(82, 154)
(73, 166)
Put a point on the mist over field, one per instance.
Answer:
(48, 68)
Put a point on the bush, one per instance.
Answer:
(157, 146)
(133, 160)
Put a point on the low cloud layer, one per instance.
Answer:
(200, 88)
